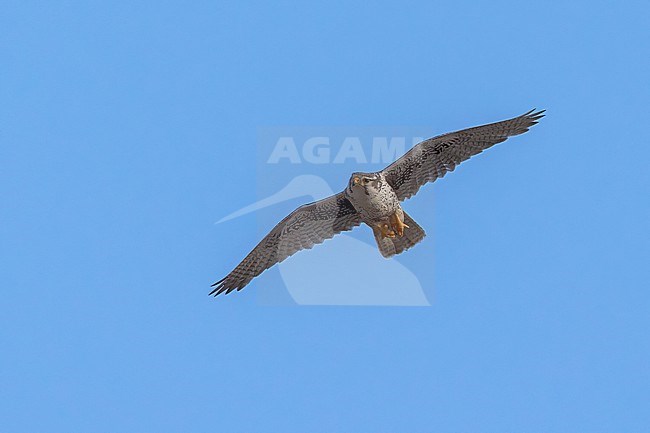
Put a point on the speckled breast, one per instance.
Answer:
(376, 202)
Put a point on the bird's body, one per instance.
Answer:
(378, 206)
(374, 199)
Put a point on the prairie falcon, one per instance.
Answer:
(374, 199)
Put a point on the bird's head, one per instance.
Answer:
(365, 181)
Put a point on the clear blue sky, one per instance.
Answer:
(127, 130)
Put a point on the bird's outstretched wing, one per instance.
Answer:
(303, 228)
(433, 158)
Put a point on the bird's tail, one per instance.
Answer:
(388, 247)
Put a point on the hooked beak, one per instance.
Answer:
(356, 180)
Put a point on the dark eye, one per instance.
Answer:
(366, 181)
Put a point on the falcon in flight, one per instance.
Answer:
(374, 199)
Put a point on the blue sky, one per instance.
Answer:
(128, 129)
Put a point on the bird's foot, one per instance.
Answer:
(386, 230)
(397, 224)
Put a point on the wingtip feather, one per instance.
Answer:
(534, 114)
(218, 287)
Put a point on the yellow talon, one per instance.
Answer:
(386, 231)
(398, 224)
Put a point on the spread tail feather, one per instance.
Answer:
(388, 247)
